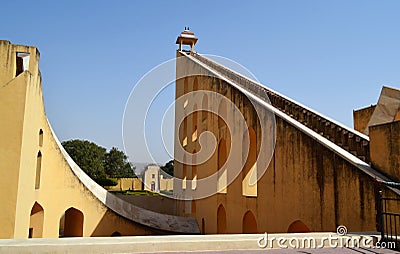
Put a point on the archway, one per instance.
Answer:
(40, 137)
(38, 170)
(116, 233)
(36, 221)
(195, 84)
(185, 85)
(222, 112)
(221, 220)
(184, 172)
(194, 170)
(298, 227)
(193, 207)
(204, 106)
(222, 174)
(72, 223)
(249, 223)
(185, 91)
(194, 123)
(185, 133)
(249, 173)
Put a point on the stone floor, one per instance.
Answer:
(208, 244)
(294, 251)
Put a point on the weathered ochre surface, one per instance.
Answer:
(385, 148)
(361, 117)
(304, 181)
(35, 196)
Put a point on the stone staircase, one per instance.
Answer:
(350, 140)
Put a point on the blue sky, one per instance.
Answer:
(332, 56)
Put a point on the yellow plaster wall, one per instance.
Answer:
(126, 184)
(22, 109)
(304, 181)
(136, 184)
(166, 184)
(13, 93)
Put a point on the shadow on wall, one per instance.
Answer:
(113, 225)
(160, 204)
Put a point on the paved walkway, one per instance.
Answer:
(294, 251)
(207, 244)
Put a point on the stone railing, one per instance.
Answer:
(349, 139)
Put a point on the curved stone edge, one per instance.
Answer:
(158, 221)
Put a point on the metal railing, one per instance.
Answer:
(389, 217)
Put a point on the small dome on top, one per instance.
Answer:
(186, 38)
(187, 33)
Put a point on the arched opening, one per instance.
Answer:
(204, 105)
(194, 170)
(222, 113)
(195, 84)
(298, 227)
(193, 207)
(185, 91)
(21, 62)
(185, 133)
(249, 172)
(221, 220)
(72, 225)
(40, 137)
(36, 221)
(222, 174)
(249, 223)
(185, 85)
(203, 226)
(38, 170)
(184, 172)
(194, 123)
(116, 233)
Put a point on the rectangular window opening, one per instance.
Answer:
(22, 62)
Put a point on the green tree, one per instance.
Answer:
(97, 163)
(89, 157)
(169, 168)
(116, 164)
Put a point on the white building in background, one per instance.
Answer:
(151, 178)
(156, 180)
